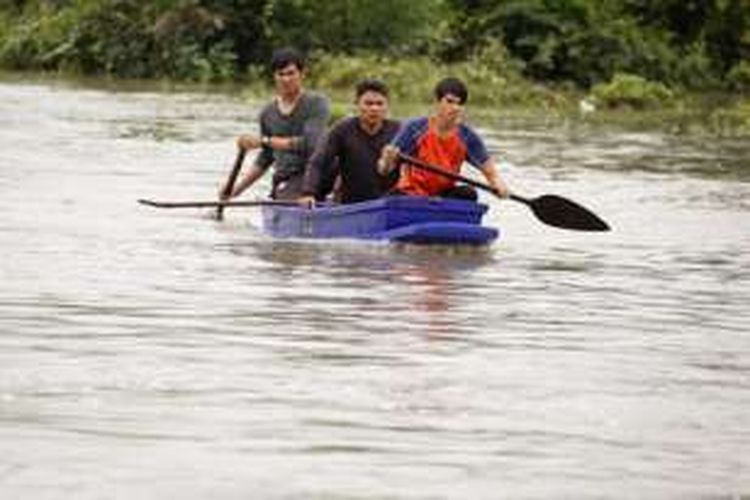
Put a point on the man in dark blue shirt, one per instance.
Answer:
(351, 149)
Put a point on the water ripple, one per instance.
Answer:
(164, 354)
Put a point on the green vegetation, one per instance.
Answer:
(738, 77)
(695, 44)
(734, 120)
(117, 38)
(634, 54)
(632, 91)
(490, 74)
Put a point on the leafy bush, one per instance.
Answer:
(121, 38)
(108, 37)
(694, 69)
(632, 91)
(732, 121)
(393, 27)
(410, 79)
(187, 45)
(492, 77)
(738, 78)
(35, 42)
(694, 45)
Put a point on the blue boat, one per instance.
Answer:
(409, 219)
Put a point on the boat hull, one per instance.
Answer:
(407, 219)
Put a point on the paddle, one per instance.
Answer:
(216, 204)
(551, 209)
(229, 186)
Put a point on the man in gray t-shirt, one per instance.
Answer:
(290, 127)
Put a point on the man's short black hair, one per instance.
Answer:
(371, 85)
(282, 58)
(452, 86)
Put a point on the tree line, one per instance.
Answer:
(691, 44)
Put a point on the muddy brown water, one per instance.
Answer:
(160, 354)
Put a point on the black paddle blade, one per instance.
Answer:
(560, 212)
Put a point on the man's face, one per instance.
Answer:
(450, 108)
(373, 107)
(288, 79)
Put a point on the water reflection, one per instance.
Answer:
(564, 148)
(422, 283)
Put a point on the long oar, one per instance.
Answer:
(229, 185)
(549, 208)
(215, 204)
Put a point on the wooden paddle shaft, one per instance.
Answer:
(229, 186)
(216, 204)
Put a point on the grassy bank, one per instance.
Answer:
(498, 89)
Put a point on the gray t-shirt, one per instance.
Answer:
(305, 124)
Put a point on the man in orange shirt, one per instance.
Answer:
(442, 140)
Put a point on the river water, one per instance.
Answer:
(150, 353)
